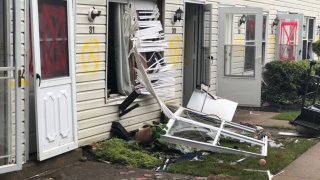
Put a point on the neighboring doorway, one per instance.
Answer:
(197, 48)
(240, 55)
(289, 37)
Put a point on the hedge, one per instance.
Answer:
(284, 81)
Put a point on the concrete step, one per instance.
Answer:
(33, 167)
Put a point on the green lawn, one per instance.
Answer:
(221, 164)
(120, 151)
(288, 116)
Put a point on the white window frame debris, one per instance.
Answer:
(220, 131)
(263, 143)
(206, 103)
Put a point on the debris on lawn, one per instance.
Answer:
(117, 130)
(299, 134)
(270, 176)
(238, 161)
(211, 126)
(204, 102)
(273, 144)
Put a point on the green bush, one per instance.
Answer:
(316, 47)
(284, 81)
(120, 151)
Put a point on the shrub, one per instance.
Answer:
(284, 81)
(120, 151)
(316, 48)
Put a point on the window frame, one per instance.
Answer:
(116, 98)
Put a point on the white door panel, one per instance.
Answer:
(239, 62)
(54, 74)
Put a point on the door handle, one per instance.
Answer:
(38, 77)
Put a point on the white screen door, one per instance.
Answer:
(52, 27)
(239, 60)
(289, 37)
(10, 99)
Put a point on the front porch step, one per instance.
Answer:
(33, 167)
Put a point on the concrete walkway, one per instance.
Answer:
(306, 167)
(259, 118)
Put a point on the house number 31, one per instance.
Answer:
(91, 29)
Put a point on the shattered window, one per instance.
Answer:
(192, 132)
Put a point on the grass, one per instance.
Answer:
(277, 159)
(282, 127)
(223, 165)
(120, 151)
(288, 116)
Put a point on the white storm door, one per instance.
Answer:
(239, 55)
(11, 132)
(289, 37)
(53, 45)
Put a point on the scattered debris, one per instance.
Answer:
(252, 113)
(183, 149)
(270, 176)
(240, 160)
(298, 134)
(154, 76)
(119, 131)
(262, 162)
(107, 162)
(163, 167)
(204, 102)
(275, 145)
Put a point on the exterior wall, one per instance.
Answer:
(95, 114)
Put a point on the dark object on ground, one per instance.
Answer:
(310, 115)
(189, 156)
(118, 131)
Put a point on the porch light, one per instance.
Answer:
(318, 29)
(177, 15)
(242, 20)
(275, 22)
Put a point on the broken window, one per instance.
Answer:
(121, 76)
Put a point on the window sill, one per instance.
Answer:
(117, 99)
